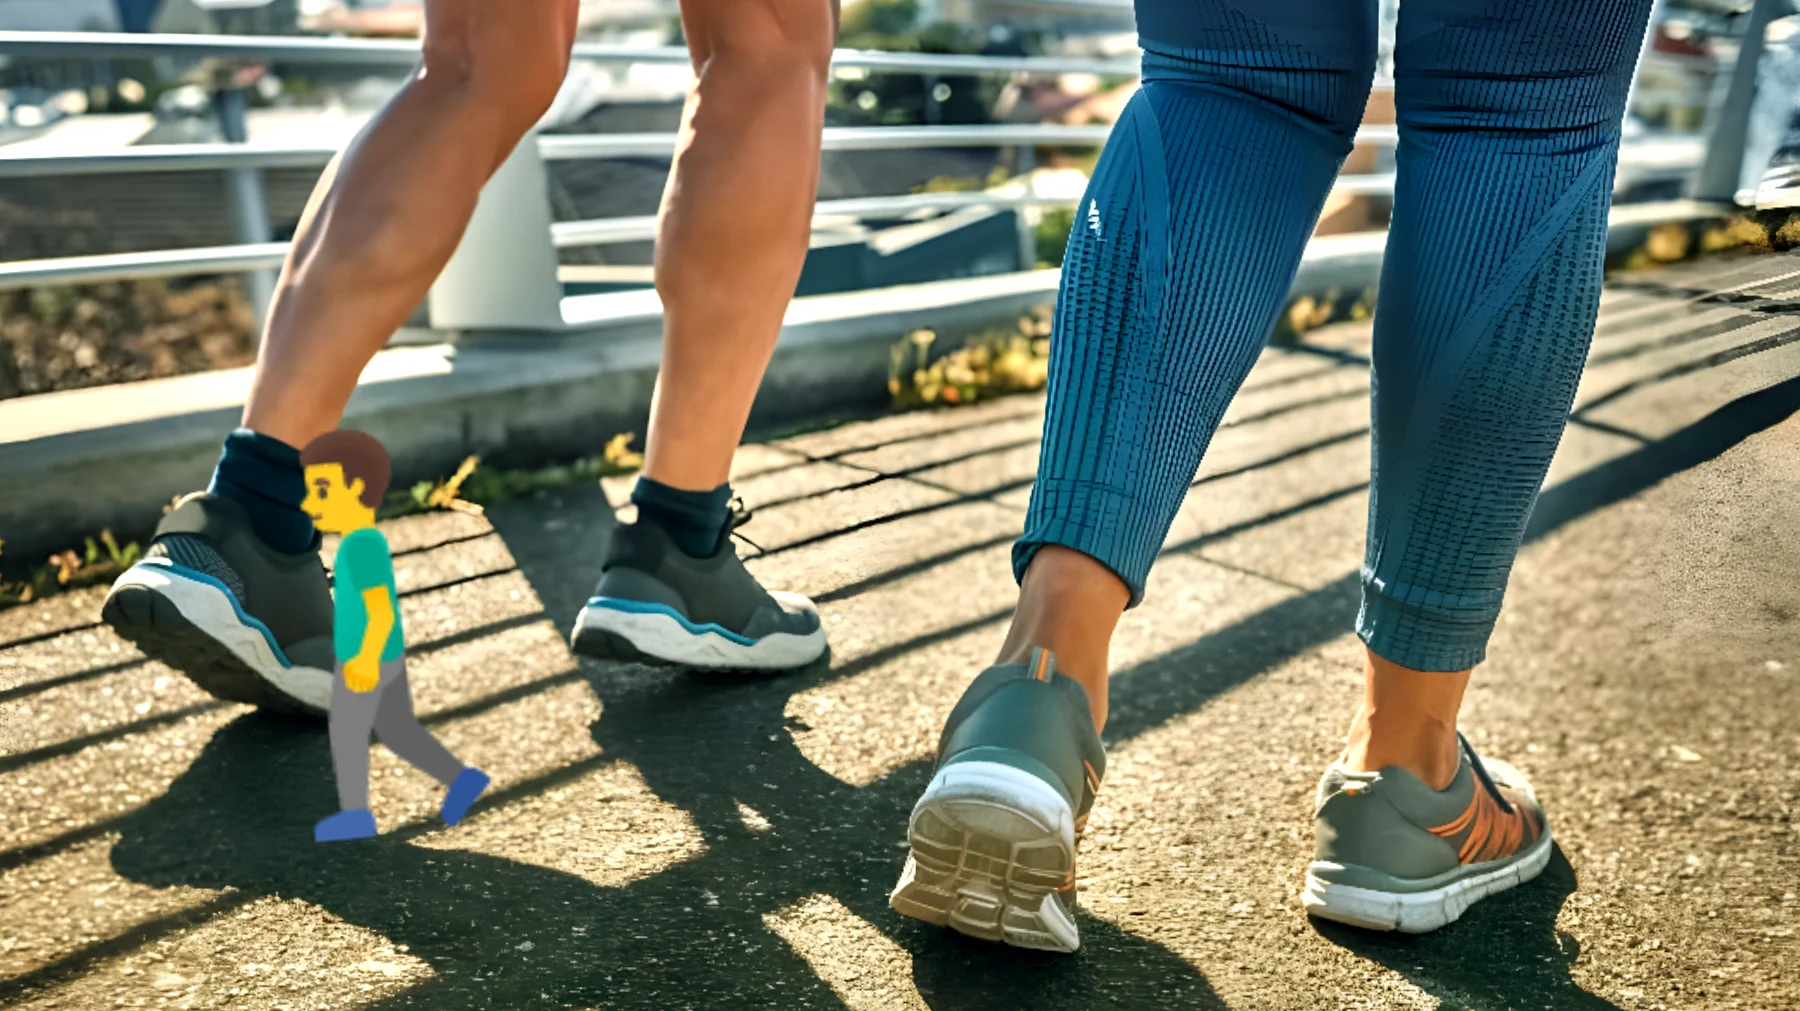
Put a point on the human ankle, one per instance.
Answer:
(1426, 749)
(1407, 719)
(1069, 604)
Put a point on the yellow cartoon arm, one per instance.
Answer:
(363, 671)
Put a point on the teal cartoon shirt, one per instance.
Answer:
(363, 563)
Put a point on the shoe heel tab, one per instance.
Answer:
(1041, 666)
(1339, 780)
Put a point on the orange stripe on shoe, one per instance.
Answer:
(1450, 828)
(1481, 832)
(1496, 845)
(1040, 664)
(1515, 834)
(1531, 825)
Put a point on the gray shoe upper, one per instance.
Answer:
(644, 565)
(1393, 823)
(289, 594)
(1032, 718)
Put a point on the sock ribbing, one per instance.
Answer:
(264, 475)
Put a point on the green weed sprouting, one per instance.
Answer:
(97, 561)
(988, 365)
(475, 485)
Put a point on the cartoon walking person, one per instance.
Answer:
(346, 475)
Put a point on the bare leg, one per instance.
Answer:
(390, 210)
(1407, 718)
(736, 217)
(1069, 604)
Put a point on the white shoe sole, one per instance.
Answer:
(211, 611)
(665, 637)
(1417, 912)
(991, 845)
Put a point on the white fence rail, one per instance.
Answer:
(526, 224)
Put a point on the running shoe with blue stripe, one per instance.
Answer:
(243, 621)
(656, 604)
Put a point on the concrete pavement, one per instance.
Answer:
(661, 840)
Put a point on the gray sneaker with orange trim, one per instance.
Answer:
(1394, 854)
(993, 838)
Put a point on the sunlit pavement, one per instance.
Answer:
(658, 840)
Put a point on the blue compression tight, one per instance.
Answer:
(1192, 228)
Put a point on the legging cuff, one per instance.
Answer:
(1098, 522)
(1422, 630)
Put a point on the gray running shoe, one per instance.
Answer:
(243, 621)
(655, 604)
(1394, 854)
(993, 838)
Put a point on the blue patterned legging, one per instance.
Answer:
(1192, 228)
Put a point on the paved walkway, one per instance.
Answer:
(665, 841)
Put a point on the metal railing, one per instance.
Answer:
(399, 54)
(527, 220)
(243, 163)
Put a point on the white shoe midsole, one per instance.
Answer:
(665, 637)
(1006, 788)
(210, 609)
(956, 874)
(1418, 912)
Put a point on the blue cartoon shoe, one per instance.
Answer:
(345, 825)
(467, 786)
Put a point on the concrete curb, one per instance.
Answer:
(111, 457)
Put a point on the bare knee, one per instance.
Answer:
(501, 78)
(772, 44)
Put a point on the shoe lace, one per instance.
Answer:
(1481, 774)
(740, 515)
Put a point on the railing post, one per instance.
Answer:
(249, 201)
(503, 275)
(1028, 215)
(1722, 170)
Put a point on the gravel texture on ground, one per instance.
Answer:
(661, 840)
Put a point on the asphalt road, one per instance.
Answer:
(660, 840)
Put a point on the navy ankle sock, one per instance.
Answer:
(264, 476)
(694, 520)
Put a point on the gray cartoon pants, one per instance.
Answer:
(387, 712)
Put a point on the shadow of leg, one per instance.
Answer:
(1113, 969)
(1504, 952)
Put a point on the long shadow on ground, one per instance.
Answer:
(693, 935)
(1520, 960)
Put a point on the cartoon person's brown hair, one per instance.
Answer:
(361, 456)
